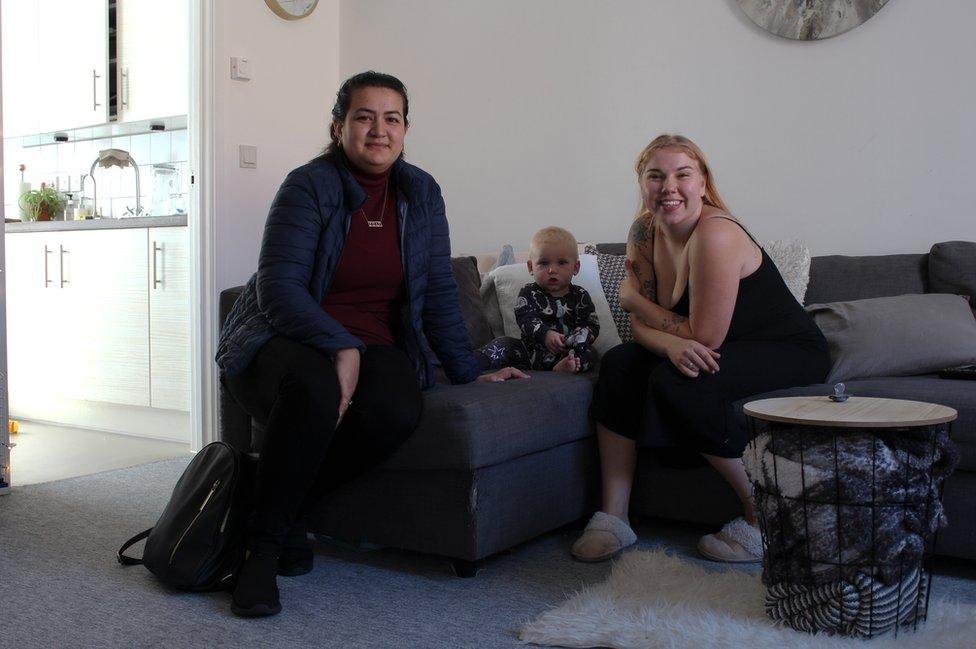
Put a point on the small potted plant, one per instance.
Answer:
(43, 204)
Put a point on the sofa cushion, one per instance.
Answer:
(835, 278)
(469, 295)
(612, 273)
(952, 269)
(957, 394)
(896, 336)
(792, 259)
(465, 427)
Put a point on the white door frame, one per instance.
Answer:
(203, 294)
(4, 414)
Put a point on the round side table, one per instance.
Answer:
(848, 496)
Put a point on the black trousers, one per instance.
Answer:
(642, 396)
(293, 389)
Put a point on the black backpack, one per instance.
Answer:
(198, 542)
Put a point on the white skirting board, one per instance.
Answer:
(156, 423)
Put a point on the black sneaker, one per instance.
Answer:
(256, 593)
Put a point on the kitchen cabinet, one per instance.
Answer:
(169, 318)
(21, 67)
(56, 74)
(72, 64)
(55, 64)
(99, 316)
(153, 64)
(77, 315)
(104, 315)
(33, 303)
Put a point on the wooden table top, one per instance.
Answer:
(856, 412)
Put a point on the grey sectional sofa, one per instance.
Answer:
(494, 465)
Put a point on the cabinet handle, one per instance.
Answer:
(47, 279)
(155, 277)
(125, 88)
(95, 78)
(64, 252)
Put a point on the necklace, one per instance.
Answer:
(377, 224)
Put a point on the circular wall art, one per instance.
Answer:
(809, 20)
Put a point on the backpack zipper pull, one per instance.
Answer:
(209, 495)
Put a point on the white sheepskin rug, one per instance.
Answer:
(653, 600)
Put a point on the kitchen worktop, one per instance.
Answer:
(99, 224)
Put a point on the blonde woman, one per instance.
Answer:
(713, 322)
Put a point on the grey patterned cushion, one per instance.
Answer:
(611, 274)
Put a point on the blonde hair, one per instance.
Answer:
(669, 141)
(556, 235)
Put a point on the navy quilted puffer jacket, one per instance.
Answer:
(303, 240)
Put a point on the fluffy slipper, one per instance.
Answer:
(738, 542)
(604, 537)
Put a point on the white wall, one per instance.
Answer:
(532, 112)
(283, 110)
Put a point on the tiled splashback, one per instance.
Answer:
(163, 172)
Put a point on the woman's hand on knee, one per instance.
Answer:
(347, 370)
(503, 374)
(691, 357)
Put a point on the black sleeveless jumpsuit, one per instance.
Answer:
(772, 343)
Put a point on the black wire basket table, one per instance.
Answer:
(849, 500)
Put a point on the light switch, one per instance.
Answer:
(249, 156)
(240, 68)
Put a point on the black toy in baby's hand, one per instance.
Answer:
(578, 341)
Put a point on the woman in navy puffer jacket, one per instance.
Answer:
(328, 343)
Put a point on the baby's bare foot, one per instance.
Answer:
(569, 364)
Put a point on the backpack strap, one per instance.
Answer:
(129, 561)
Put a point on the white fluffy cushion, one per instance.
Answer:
(504, 283)
(792, 259)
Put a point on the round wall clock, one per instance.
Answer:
(809, 20)
(292, 9)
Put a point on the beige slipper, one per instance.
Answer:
(738, 542)
(604, 537)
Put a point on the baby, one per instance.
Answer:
(557, 318)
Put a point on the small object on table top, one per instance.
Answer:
(961, 372)
(860, 412)
(839, 395)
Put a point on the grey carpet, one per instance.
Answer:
(61, 586)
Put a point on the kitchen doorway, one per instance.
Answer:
(102, 326)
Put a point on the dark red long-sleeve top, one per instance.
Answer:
(368, 289)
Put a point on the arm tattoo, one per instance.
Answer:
(671, 322)
(650, 290)
(638, 232)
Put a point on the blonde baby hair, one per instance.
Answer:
(554, 235)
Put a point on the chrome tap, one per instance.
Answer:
(116, 158)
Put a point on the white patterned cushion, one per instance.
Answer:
(792, 259)
(503, 284)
